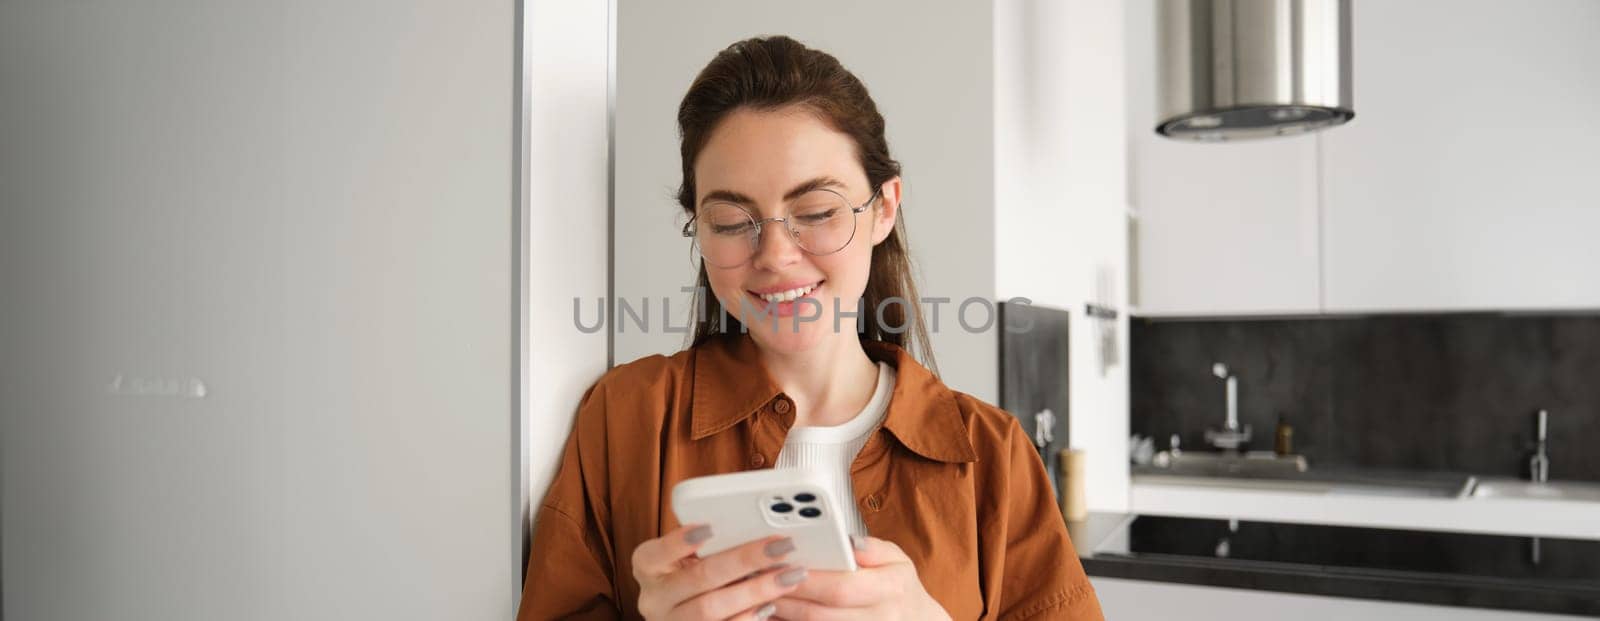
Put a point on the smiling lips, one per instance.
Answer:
(787, 295)
(781, 302)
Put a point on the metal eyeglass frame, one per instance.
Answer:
(755, 236)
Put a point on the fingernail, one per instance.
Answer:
(698, 534)
(766, 611)
(859, 543)
(792, 577)
(780, 547)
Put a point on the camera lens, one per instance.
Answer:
(804, 497)
(810, 512)
(783, 507)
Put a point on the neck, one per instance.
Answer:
(829, 383)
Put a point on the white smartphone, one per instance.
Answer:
(745, 506)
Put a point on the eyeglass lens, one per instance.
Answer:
(820, 222)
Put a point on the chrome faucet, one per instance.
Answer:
(1232, 435)
(1539, 464)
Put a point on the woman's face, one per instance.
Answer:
(758, 158)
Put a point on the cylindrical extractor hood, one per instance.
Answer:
(1240, 69)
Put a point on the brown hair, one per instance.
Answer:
(768, 73)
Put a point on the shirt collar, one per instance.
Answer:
(731, 383)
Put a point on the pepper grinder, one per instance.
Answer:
(1284, 446)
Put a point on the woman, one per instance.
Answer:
(794, 207)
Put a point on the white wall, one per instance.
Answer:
(567, 48)
(306, 206)
(1484, 203)
(930, 72)
(1061, 202)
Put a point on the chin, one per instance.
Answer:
(784, 339)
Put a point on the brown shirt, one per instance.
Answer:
(953, 481)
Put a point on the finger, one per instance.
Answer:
(760, 613)
(661, 556)
(845, 589)
(875, 552)
(792, 609)
(748, 597)
(724, 567)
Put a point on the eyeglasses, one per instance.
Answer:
(821, 222)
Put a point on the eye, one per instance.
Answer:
(742, 228)
(725, 219)
(816, 216)
(818, 208)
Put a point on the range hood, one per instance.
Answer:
(1242, 69)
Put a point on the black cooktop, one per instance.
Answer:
(1492, 556)
(1496, 571)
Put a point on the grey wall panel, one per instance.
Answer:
(305, 208)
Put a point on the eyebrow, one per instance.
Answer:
(815, 183)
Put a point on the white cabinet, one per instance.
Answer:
(1231, 229)
(1462, 183)
(1465, 181)
(1220, 228)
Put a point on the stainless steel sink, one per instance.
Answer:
(1265, 470)
(1527, 490)
(1264, 464)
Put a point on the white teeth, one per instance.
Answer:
(788, 296)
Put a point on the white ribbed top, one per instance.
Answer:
(830, 450)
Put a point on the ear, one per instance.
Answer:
(888, 210)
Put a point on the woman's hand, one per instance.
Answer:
(885, 588)
(738, 583)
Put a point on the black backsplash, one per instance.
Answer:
(1453, 392)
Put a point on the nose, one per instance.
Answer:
(776, 248)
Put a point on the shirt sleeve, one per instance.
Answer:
(1043, 578)
(570, 566)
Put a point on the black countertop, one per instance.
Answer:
(1428, 567)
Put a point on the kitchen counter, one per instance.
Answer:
(1223, 498)
(1554, 575)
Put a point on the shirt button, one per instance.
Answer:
(782, 406)
(757, 460)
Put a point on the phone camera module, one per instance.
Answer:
(810, 512)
